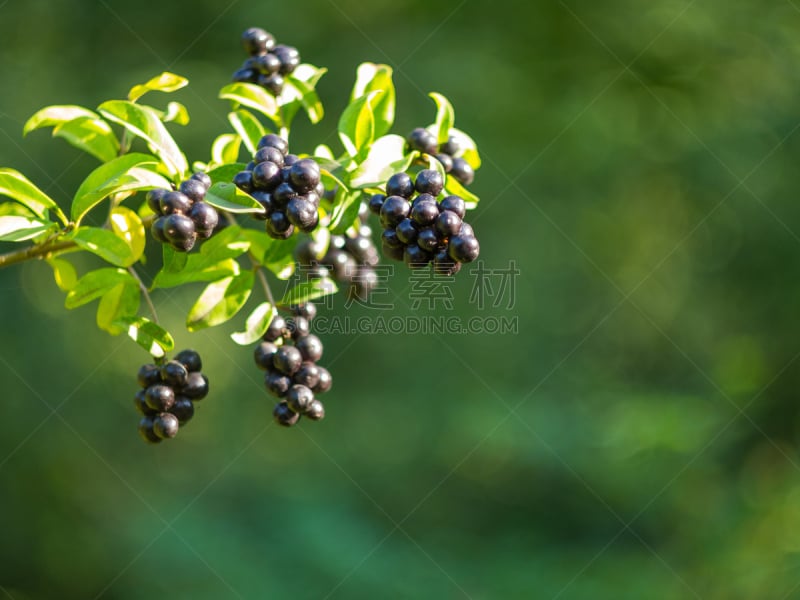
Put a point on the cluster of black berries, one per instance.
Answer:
(183, 216)
(166, 400)
(448, 154)
(268, 62)
(424, 230)
(289, 355)
(350, 259)
(288, 187)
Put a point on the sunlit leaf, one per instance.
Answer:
(104, 244)
(252, 96)
(166, 82)
(248, 127)
(17, 187)
(256, 324)
(144, 122)
(94, 284)
(120, 302)
(64, 273)
(445, 117)
(357, 124)
(127, 225)
(372, 77)
(308, 290)
(226, 196)
(150, 336)
(18, 229)
(225, 148)
(220, 301)
(385, 158)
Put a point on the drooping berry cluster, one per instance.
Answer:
(268, 62)
(288, 187)
(424, 230)
(350, 259)
(449, 154)
(183, 216)
(289, 353)
(169, 391)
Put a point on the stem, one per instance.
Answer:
(145, 293)
(40, 251)
(264, 283)
(46, 248)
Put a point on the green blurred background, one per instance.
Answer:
(638, 437)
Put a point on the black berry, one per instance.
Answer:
(430, 182)
(422, 140)
(464, 249)
(462, 171)
(287, 359)
(310, 348)
(257, 41)
(166, 425)
(400, 184)
(190, 359)
(196, 386)
(174, 373)
(299, 397)
(284, 415)
(160, 397)
(183, 409)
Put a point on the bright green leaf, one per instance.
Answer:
(150, 336)
(225, 173)
(18, 229)
(225, 148)
(385, 158)
(369, 78)
(127, 225)
(176, 113)
(248, 127)
(220, 301)
(308, 290)
(226, 196)
(357, 124)
(50, 116)
(469, 150)
(252, 96)
(452, 186)
(113, 177)
(345, 211)
(64, 273)
(308, 98)
(445, 118)
(256, 324)
(18, 187)
(144, 122)
(120, 302)
(197, 269)
(93, 136)
(94, 284)
(166, 82)
(173, 261)
(104, 244)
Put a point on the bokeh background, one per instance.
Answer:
(637, 438)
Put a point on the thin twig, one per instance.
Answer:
(264, 283)
(145, 293)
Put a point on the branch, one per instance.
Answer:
(40, 251)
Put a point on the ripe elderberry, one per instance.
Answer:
(267, 62)
(167, 395)
(288, 354)
(285, 186)
(183, 217)
(421, 230)
(449, 154)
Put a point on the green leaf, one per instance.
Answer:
(345, 210)
(104, 244)
(225, 173)
(372, 77)
(176, 113)
(93, 136)
(308, 98)
(50, 116)
(220, 301)
(127, 225)
(225, 148)
(445, 117)
(228, 243)
(120, 302)
(252, 96)
(94, 284)
(166, 82)
(150, 336)
(14, 228)
(308, 290)
(226, 196)
(17, 187)
(80, 126)
(357, 124)
(385, 158)
(291, 99)
(64, 273)
(112, 177)
(452, 186)
(256, 324)
(469, 150)
(144, 122)
(173, 261)
(275, 255)
(197, 268)
(248, 127)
